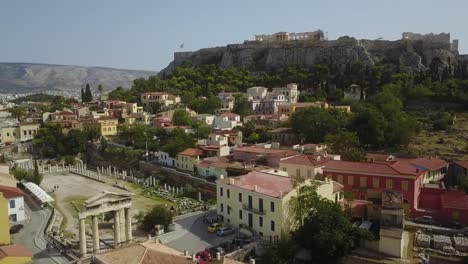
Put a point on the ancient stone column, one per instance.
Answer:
(56, 168)
(82, 237)
(128, 225)
(116, 228)
(199, 197)
(95, 234)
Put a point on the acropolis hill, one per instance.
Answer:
(269, 52)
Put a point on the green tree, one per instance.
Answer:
(202, 130)
(370, 125)
(17, 112)
(347, 145)
(88, 96)
(314, 123)
(159, 215)
(123, 95)
(242, 106)
(100, 88)
(178, 141)
(181, 118)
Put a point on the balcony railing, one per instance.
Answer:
(253, 210)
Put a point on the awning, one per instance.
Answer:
(38, 192)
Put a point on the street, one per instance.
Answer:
(32, 235)
(192, 234)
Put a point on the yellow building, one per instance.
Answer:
(103, 126)
(18, 133)
(10, 253)
(188, 159)
(108, 125)
(4, 223)
(259, 201)
(289, 109)
(305, 166)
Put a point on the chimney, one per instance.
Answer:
(186, 253)
(218, 256)
(255, 188)
(193, 257)
(221, 177)
(231, 181)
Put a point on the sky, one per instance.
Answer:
(144, 34)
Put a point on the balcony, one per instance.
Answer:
(253, 210)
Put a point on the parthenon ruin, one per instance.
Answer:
(120, 204)
(285, 36)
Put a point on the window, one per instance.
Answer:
(363, 182)
(284, 169)
(350, 180)
(25, 133)
(404, 185)
(12, 204)
(240, 214)
(240, 197)
(250, 202)
(222, 207)
(228, 210)
(388, 184)
(298, 172)
(228, 193)
(340, 179)
(375, 183)
(260, 221)
(309, 173)
(260, 204)
(220, 191)
(272, 225)
(272, 206)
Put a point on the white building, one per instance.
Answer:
(205, 118)
(270, 104)
(256, 93)
(15, 198)
(226, 121)
(166, 160)
(290, 92)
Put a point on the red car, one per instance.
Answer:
(203, 257)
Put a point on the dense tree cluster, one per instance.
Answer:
(50, 142)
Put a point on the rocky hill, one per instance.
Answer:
(31, 78)
(413, 52)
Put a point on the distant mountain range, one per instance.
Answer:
(16, 78)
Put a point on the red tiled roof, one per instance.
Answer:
(307, 160)
(268, 184)
(259, 150)
(430, 163)
(10, 192)
(64, 113)
(463, 163)
(455, 200)
(229, 114)
(191, 152)
(396, 168)
(378, 156)
(14, 250)
(107, 118)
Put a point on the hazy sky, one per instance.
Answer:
(144, 34)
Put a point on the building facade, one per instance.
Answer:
(15, 198)
(152, 99)
(188, 159)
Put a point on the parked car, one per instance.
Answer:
(228, 247)
(426, 220)
(214, 227)
(16, 228)
(211, 219)
(452, 224)
(204, 255)
(216, 249)
(225, 230)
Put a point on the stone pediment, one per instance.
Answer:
(107, 198)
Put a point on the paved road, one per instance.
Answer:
(191, 234)
(32, 235)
